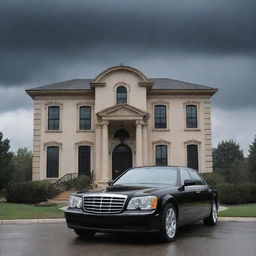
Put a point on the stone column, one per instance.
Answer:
(97, 152)
(104, 165)
(145, 143)
(139, 143)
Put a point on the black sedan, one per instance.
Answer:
(144, 199)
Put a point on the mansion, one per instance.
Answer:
(117, 120)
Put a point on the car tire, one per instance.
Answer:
(169, 223)
(213, 218)
(84, 233)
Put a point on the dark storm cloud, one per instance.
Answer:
(46, 41)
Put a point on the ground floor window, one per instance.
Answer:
(52, 162)
(161, 155)
(84, 160)
(192, 156)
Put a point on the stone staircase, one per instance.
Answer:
(63, 196)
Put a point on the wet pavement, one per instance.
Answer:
(227, 238)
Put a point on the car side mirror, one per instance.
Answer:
(189, 182)
(110, 182)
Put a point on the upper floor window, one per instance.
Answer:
(52, 165)
(191, 116)
(85, 118)
(121, 95)
(160, 116)
(161, 155)
(54, 118)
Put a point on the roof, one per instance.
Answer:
(158, 84)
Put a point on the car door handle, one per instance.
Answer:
(198, 191)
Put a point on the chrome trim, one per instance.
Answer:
(106, 204)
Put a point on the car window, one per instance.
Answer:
(184, 175)
(149, 175)
(196, 177)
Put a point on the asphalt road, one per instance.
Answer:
(227, 238)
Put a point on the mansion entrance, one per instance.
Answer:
(121, 160)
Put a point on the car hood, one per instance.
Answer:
(133, 190)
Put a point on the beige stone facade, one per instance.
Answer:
(136, 116)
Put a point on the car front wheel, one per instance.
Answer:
(169, 223)
(213, 218)
(84, 233)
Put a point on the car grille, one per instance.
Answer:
(103, 203)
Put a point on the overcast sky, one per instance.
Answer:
(210, 42)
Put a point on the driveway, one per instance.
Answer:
(227, 238)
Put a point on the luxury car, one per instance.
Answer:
(144, 199)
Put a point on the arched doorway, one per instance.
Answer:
(121, 159)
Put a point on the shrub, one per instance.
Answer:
(237, 194)
(27, 192)
(81, 182)
(213, 179)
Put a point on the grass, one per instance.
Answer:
(242, 210)
(24, 211)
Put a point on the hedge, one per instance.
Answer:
(237, 194)
(213, 179)
(27, 192)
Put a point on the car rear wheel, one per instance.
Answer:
(213, 218)
(84, 233)
(169, 223)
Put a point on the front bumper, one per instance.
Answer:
(122, 222)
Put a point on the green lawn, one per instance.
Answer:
(242, 210)
(24, 211)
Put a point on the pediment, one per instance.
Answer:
(122, 112)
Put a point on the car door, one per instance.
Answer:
(188, 200)
(204, 204)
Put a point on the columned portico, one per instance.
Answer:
(105, 157)
(139, 143)
(145, 143)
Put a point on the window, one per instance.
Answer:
(52, 162)
(54, 118)
(160, 116)
(84, 160)
(161, 155)
(85, 118)
(191, 116)
(121, 95)
(196, 177)
(184, 176)
(192, 156)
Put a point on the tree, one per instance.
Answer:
(226, 154)
(228, 160)
(6, 169)
(252, 160)
(22, 163)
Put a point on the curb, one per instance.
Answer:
(237, 219)
(62, 220)
(33, 221)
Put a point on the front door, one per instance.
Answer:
(121, 160)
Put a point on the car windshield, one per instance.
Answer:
(149, 175)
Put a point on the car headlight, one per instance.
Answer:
(142, 203)
(75, 202)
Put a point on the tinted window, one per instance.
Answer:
(121, 95)
(54, 118)
(191, 116)
(52, 162)
(192, 156)
(85, 118)
(196, 177)
(160, 116)
(149, 175)
(84, 160)
(161, 155)
(184, 175)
